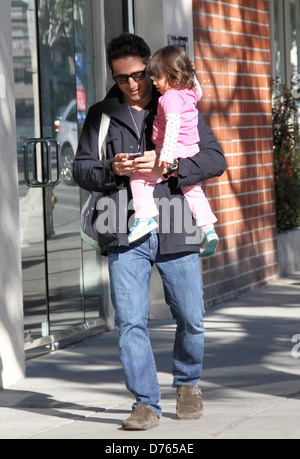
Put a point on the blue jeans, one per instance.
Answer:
(130, 273)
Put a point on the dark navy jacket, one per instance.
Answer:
(176, 234)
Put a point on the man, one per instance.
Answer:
(131, 106)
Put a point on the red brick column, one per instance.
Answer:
(233, 63)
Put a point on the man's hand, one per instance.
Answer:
(122, 165)
(164, 164)
(149, 164)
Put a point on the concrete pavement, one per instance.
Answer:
(251, 384)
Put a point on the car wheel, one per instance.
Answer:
(67, 159)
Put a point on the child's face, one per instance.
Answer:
(161, 83)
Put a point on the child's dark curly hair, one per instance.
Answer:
(175, 64)
(127, 45)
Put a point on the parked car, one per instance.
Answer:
(66, 126)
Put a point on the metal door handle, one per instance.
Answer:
(41, 157)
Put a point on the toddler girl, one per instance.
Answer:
(175, 135)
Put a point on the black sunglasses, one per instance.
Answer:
(136, 76)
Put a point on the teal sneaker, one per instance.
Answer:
(209, 244)
(141, 228)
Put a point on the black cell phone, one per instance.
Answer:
(135, 155)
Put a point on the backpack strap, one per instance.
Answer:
(104, 126)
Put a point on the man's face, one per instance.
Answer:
(135, 92)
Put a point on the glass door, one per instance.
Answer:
(54, 85)
(31, 199)
(58, 99)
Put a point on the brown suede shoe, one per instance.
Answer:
(189, 403)
(143, 418)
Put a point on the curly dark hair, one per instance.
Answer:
(127, 45)
(175, 64)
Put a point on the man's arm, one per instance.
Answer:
(207, 164)
(89, 172)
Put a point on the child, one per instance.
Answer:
(175, 134)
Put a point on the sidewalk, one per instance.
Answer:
(251, 383)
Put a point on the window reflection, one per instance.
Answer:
(295, 36)
(286, 46)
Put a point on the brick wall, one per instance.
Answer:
(233, 63)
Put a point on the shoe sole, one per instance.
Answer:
(141, 429)
(147, 230)
(210, 249)
(189, 418)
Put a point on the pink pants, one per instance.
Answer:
(142, 187)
